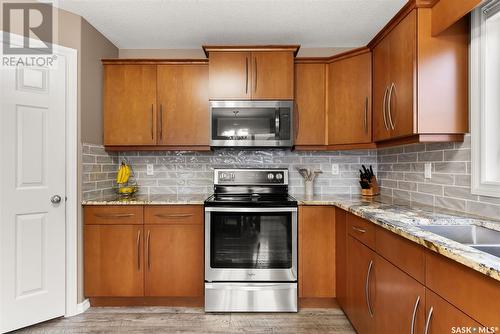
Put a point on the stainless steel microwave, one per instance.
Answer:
(251, 123)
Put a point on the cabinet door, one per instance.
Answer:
(129, 105)
(360, 286)
(399, 302)
(445, 316)
(316, 252)
(272, 75)
(183, 105)
(310, 110)
(174, 260)
(400, 99)
(230, 75)
(341, 257)
(381, 85)
(349, 100)
(114, 265)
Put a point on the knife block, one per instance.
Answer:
(373, 190)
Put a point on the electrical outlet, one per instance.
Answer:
(428, 170)
(150, 170)
(335, 169)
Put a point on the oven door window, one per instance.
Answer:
(245, 241)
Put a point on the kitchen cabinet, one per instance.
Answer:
(129, 105)
(316, 252)
(183, 105)
(155, 104)
(399, 302)
(419, 81)
(349, 100)
(360, 286)
(144, 257)
(341, 257)
(442, 317)
(114, 263)
(251, 73)
(310, 109)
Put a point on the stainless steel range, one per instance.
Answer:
(251, 242)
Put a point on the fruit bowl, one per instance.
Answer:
(126, 190)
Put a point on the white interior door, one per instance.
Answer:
(32, 171)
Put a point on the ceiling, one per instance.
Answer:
(188, 24)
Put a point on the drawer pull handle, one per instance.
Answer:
(174, 215)
(428, 322)
(367, 288)
(114, 215)
(358, 229)
(414, 316)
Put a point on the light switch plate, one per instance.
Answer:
(335, 169)
(428, 170)
(150, 170)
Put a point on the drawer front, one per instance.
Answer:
(473, 293)
(361, 229)
(174, 214)
(404, 254)
(113, 215)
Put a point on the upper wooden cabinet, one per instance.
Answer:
(349, 100)
(129, 105)
(257, 73)
(160, 104)
(420, 81)
(310, 98)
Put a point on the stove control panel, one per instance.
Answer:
(251, 176)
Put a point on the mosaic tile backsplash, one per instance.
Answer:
(400, 171)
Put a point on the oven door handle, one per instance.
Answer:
(239, 209)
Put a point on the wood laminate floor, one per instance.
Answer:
(194, 320)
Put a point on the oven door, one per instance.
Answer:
(250, 244)
(251, 123)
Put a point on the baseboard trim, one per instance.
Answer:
(305, 302)
(82, 307)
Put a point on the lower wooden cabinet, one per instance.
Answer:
(400, 300)
(316, 252)
(442, 317)
(114, 265)
(161, 258)
(174, 260)
(341, 257)
(360, 286)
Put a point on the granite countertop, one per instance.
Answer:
(405, 220)
(181, 199)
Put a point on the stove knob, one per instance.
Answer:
(279, 176)
(270, 176)
(222, 176)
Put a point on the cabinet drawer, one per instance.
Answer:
(361, 229)
(113, 215)
(473, 293)
(404, 254)
(174, 214)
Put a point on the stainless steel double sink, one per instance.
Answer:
(480, 238)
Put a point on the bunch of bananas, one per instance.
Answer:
(123, 173)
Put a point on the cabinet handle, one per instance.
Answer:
(152, 121)
(246, 75)
(139, 250)
(161, 121)
(174, 215)
(414, 316)
(367, 288)
(148, 247)
(384, 108)
(114, 215)
(255, 84)
(358, 229)
(428, 321)
(366, 114)
(389, 111)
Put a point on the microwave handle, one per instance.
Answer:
(277, 123)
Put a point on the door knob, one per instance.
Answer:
(56, 199)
